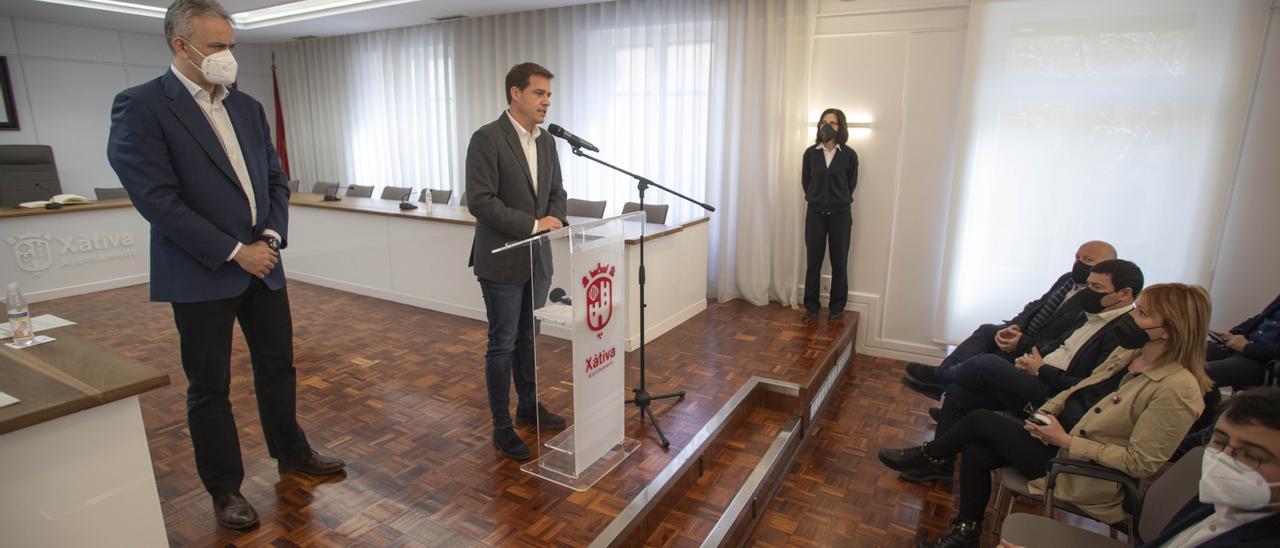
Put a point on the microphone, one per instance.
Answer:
(574, 140)
(52, 204)
(331, 195)
(405, 204)
(558, 296)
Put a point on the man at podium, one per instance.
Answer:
(514, 190)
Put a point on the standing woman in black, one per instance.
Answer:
(830, 175)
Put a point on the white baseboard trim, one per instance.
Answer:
(81, 289)
(870, 341)
(657, 330)
(377, 293)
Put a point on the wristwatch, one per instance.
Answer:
(272, 243)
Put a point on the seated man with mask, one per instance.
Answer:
(990, 381)
(1043, 323)
(1239, 496)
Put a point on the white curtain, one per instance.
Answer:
(1094, 119)
(707, 98)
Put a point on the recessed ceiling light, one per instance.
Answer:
(291, 12)
(114, 6)
(304, 10)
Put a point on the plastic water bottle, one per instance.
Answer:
(426, 197)
(19, 317)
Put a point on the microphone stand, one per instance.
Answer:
(642, 396)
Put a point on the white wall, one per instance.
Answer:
(901, 63)
(1247, 274)
(64, 80)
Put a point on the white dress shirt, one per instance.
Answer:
(1061, 357)
(828, 154)
(220, 121)
(1216, 524)
(529, 142)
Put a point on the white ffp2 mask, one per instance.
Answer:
(218, 68)
(1229, 483)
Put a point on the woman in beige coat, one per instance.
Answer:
(1129, 415)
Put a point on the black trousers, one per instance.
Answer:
(989, 441)
(204, 331)
(823, 229)
(990, 382)
(1226, 367)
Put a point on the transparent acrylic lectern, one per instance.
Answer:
(579, 310)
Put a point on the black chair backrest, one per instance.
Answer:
(586, 208)
(437, 196)
(394, 192)
(653, 213)
(324, 187)
(27, 173)
(357, 191)
(110, 193)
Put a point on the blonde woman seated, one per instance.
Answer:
(1129, 415)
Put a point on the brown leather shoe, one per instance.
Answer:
(234, 512)
(313, 464)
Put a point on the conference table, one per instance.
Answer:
(76, 466)
(366, 246)
(418, 257)
(78, 249)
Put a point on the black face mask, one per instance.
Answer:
(1091, 301)
(827, 133)
(1132, 336)
(1080, 273)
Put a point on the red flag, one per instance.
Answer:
(280, 148)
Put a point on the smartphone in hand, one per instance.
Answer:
(1039, 419)
(1218, 338)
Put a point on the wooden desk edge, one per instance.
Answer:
(11, 212)
(77, 405)
(301, 199)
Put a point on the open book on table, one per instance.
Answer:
(57, 199)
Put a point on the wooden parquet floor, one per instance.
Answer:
(399, 393)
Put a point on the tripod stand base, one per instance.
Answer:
(642, 400)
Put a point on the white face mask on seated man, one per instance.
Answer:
(1225, 481)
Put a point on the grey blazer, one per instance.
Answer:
(500, 196)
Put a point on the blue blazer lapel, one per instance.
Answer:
(184, 107)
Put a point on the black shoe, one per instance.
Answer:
(924, 373)
(935, 413)
(313, 464)
(932, 391)
(963, 534)
(909, 458)
(834, 314)
(933, 472)
(510, 444)
(811, 313)
(234, 512)
(545, 419)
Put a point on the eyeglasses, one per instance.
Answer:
(1244, 457)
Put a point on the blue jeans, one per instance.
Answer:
(510, 352)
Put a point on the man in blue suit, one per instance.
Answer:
(1239, 480)
(197, 160)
